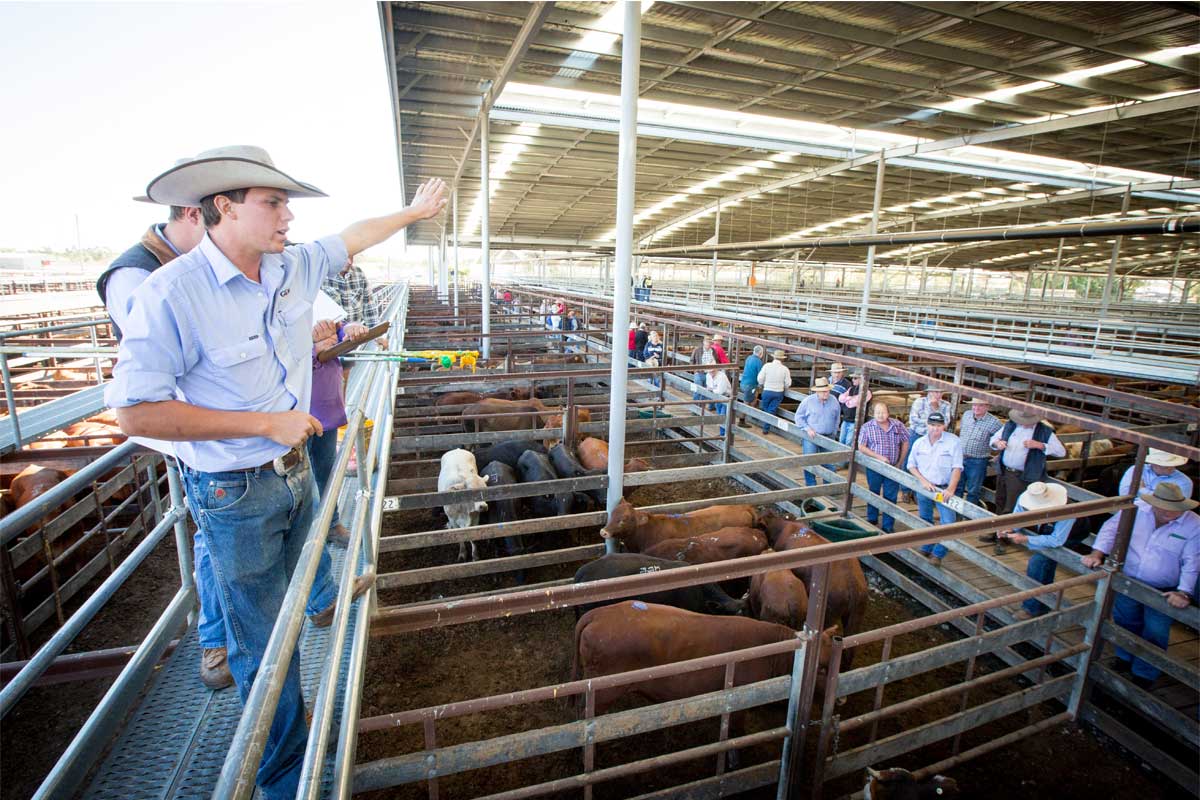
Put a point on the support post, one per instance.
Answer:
(1106, 298)
(631, 48)
(485, 234)
(454, 214)
(866, 295)
(712, 278)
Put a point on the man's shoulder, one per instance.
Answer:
(187, 270)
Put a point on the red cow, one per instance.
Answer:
(779, 596)
(633, 635)
(535, 408)
(593, 454)
(720, 545)
(639, 530)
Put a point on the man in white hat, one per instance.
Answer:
(820, 415)
(1025, 443)
(1161, 467)
(775, 379)
(1164, 552)
(1037, 497)
(217, 358)
(838, 381)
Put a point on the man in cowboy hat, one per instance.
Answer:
(1037, 497)
(775, 379)
(849, 400)
(749, 380)
(838, 382)
(820, 415)
(978, 427)
(718, 348)
(1161, 467)
(1164, 552)
(1025, 443)
(217, 358)
(936, 461)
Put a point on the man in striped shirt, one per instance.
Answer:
(978, 425)
(886, 439)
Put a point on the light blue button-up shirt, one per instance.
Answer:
(1056, 538)
(1150, 479)
(202, 332)
(824, 418)
(1166, 557)
(123, 282)
(937, 460)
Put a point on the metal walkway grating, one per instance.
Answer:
(177, 740)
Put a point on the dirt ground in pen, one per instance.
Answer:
(449, 664)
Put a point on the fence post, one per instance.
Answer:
(1102, 605)
(792, 750)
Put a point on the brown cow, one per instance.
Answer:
(93, 434)
(633, 635)
(464, 398)
(720, 545)
(71, 375)
(779, 596)
(535, 408)
(556, 420)
(593, 454)
(639, 530)
(848, 594)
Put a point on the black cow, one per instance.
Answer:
(567, 466)
(900, 784)
(510, 510)
(508, 452)
(707, 598)
(535, 468)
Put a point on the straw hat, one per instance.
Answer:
(933, 389)
(779, 355)
(981, 400)
(1040, 495)
(821, 385)
(717, 337)
(1023, 417)
(837, 367)
(1161, 458)
(224, 169)
(1170, 497)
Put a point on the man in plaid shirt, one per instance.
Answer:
(977, 428)
(350, 290)
(886, 439)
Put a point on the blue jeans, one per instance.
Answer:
(1153, 626)
(846, 434)
(698, 380)
(322, 452)
(889, 490)
(770, 404)
(809, 449)
(254, 525)
(748, 393)
(1042, 570)
(719, 410)
(971, 485)
(945, 514)
(210, 625)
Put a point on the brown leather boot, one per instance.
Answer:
(214, 668)
(323, 619)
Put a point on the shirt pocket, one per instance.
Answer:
(241, 361)
(296, 323)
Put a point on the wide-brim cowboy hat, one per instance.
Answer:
(1170, 497)
(820, 384)
(1023, 417)
(779, 355)
(837, 366)
(1161, 458)
(222, 170)
(1040, 495)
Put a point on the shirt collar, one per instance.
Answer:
(161, 230)
(222, 267)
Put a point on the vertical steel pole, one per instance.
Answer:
(794, 711)
(712, 278)
(443, 271)
(1112, 264)
(454, 213)
(795, 270)
(485, 235)
(631, 49)
(866, 295)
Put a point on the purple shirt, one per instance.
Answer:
(328, 405)
(1166, 557)
(886, 443)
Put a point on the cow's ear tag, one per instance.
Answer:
(639, 605)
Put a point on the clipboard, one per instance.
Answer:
(341, 348)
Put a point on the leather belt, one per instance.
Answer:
(282, 465)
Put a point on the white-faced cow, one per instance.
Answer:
(459, 473)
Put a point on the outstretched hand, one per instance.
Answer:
(429, 199)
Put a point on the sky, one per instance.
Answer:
(98, 98)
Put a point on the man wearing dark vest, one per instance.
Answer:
(1025, 442)
(163, 242)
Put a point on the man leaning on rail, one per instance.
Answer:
(217, 357)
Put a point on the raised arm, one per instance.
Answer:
(428, 202)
